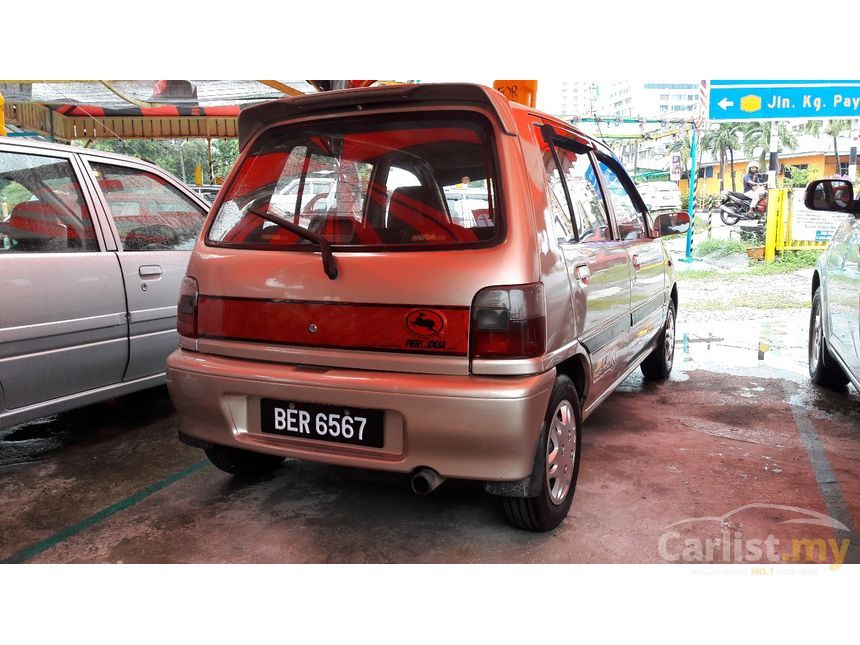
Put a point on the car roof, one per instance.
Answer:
(563, 125)
(63, 147)
(657, 184)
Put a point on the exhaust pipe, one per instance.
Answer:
(425, 481)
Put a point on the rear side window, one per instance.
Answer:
(589, 210)
(42, 209)
(407, 183)
(631, 226)
(149, 213)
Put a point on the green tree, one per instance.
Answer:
(178, 156)
(832, 128)
(756, 134)
(800, 177)
(719, 141)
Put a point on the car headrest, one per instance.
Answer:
(111, 185)
(423, 198)
(37, 223)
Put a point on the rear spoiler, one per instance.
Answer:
(257, 117)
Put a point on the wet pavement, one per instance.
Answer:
(736, 458)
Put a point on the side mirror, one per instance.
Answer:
(670, 224)
(829, 195)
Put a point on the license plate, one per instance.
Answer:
(337, 424)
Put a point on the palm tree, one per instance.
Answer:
(718, 141)
(833, 129)
(756, 134)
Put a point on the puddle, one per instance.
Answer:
(769, 348)
(31, 441)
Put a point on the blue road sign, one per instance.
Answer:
(771, 100)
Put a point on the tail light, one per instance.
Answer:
(186, 314)
(508, 322)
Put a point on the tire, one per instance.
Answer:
(243, 463)
(658, 365)
(729, 220)
(823, 368)
(558, 455)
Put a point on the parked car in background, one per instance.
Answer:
(834, 327)
(468, 207)
(317, 192)
(207, 191)
(401, 331)
(93, 247)
(660, 195)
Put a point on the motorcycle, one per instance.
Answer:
(735, 207)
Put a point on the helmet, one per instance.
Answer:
(752, 164)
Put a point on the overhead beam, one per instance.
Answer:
(282, 87)
(130, 99)
(36, 117)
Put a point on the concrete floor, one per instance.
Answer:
(738, 439)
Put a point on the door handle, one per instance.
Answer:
(582, 274)
(635, 260)
(149, 271)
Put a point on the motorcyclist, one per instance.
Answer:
(752, 187)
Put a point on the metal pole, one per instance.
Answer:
(211, 169)
(691, 208)
(773, 164)
(182, 160)
(852, 159)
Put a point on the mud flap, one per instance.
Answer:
(194, 442)
(530, 486)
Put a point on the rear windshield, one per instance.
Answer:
(404, 183)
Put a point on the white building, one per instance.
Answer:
(568, 98)
(661, 99)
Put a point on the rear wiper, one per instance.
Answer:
(325, 248)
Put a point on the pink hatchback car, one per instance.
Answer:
(379, 325)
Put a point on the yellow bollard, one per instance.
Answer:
(2, 116)
(772, 225)
(198, 175)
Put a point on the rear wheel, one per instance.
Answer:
(823, 368)
(728, 219)
(560, 448)
(242, 462)
(658, 365)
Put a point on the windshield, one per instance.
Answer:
(399, 182)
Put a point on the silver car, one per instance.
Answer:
(834, 329)
(93, 247)
(398, 330)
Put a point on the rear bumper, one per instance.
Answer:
(469, 427)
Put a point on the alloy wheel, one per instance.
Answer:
(815, 345)
(669, 339)
(560, 451)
